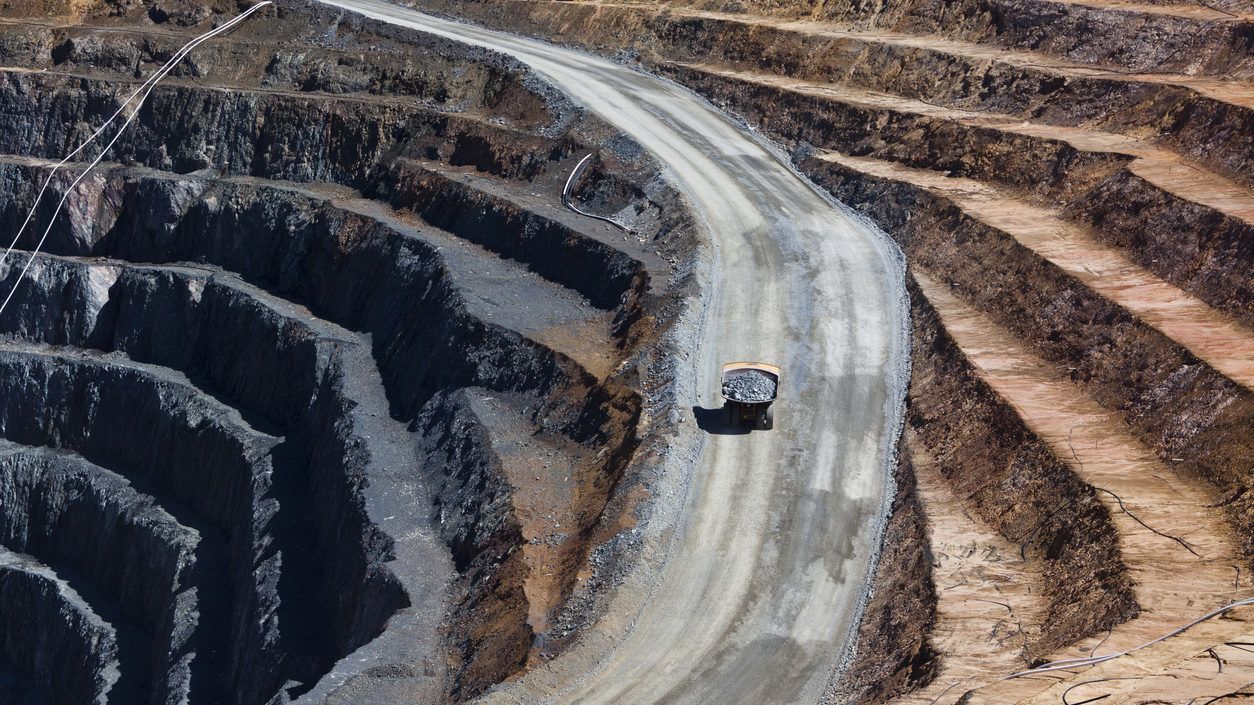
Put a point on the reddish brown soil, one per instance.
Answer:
(1013, 482)
(1176, 546)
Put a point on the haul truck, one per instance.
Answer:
(748, 388)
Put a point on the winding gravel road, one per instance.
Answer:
(756, 559)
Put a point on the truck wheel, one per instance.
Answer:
(768, 419)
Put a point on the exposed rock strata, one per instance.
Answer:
(323, 285)
(158, 431)
(352, 331)
(68, 512)
(1013, 482)
(49, 632)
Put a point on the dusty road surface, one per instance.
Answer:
(756, 558)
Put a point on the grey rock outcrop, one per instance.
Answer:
(47, 630)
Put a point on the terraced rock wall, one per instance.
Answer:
(49, 631)
(187, 320)
(479, 523)
(1196, 37)
(1070, 182)
(338, 245)
(1013, 482)
(85, 407)
(1174, 401)
(81, 517)
(942, 104)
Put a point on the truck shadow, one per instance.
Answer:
(714, 421)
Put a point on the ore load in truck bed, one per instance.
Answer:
(750, 386)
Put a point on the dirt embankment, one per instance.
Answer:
(1015, 484)
(1008, 479)
(1198, 421)
(894, 654)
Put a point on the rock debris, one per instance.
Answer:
(750, 386)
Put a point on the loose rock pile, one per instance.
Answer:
(750, 386)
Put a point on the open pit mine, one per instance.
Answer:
(757, 352)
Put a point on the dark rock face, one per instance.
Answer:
(477, 520)
(179, 125)
(974, 151)
(165, 436)
(603, 274)
(299, 377)
(264, 394)
(1196, 248)
(48, 631)
(68, 512)
(306, 506)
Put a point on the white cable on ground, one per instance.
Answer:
(1065, 664)
(570, 203)
(144, 90)
(1094, 660)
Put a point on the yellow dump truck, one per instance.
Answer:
(748, 389)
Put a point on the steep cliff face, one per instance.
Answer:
(333, 240)
(51, 634)
(475, 508)
(90, 522)
(184, 446)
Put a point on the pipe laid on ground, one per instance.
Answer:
(566, 200)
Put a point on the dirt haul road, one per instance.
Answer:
(756, 558)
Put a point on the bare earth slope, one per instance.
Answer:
(755, 566)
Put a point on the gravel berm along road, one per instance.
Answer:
(757, 558)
